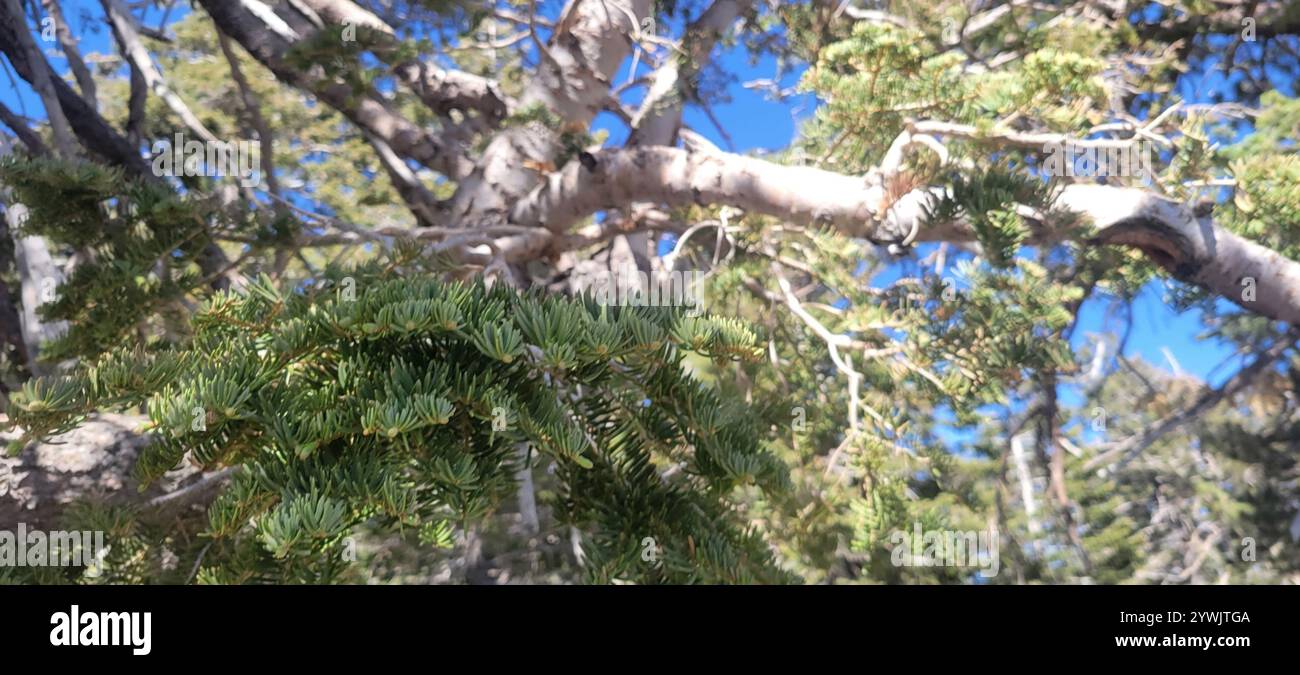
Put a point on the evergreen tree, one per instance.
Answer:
(386, 354)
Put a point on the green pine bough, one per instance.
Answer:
(380, 394)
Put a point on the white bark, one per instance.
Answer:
(345, 13)
(1026, 479)
(527, 491)
(572, 82)
(37, 275)
(445, 90)
(660, 116)
(1191, 248)
(659, 119)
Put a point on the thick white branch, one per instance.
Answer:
(660, 115)
(1191, 248)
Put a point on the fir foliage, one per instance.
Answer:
(380, 392)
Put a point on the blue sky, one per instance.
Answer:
(754, 122)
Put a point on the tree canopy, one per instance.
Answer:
(459, 290)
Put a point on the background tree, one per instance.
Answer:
(904, 302)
